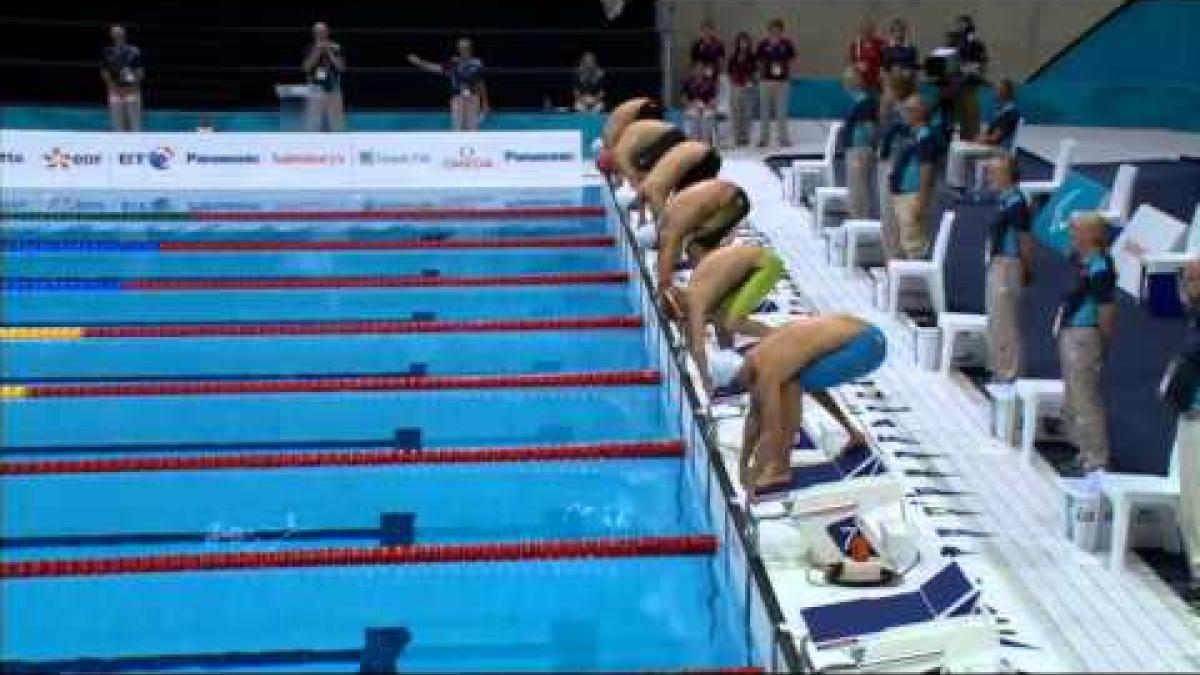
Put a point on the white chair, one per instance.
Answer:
(930, 271)
(1032, 394)
(1120, 198)
(855, 232)
(1128, 493)
(822, 168)
(1062, 165)
(825, 196)
(954, 325)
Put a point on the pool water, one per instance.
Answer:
(649, 612)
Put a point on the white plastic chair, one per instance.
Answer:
(931, 271)
(1062, 165)
(822, 168)
(1120, 199)
(1128, 492)
(954, 325)
(1032, 394)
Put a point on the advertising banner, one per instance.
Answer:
(262, 161)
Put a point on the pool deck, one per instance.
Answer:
(1075, 611)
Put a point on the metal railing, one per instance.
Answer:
(763, 616)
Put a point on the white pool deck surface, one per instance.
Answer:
(1060, 608)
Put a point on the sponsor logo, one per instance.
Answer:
(203, 158)
(514, 156)
(307, 159)
(159, 158)
(371, 158)
(468, 158)
(58, 158)
(7, 157)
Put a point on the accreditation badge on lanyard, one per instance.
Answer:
(321, 74)
(776, 70)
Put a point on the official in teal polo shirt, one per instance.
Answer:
(1085, 324)
(1009, 270)
(912, 179)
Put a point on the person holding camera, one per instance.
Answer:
(323, 66)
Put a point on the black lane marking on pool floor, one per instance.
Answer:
(395, 529)
(379, 653)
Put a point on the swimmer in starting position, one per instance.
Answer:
(685, 164)
(812, 354)
(698, 220)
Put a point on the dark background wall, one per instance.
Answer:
(229, 53)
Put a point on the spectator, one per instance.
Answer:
(858, 139)
(999, 138)
(324, 66)
(588, 85)
(469, 100)
(866, 54)
(1084, 328)
(1009, 269)
(898, 54)
(912, 180)
(123, 73)
(700, 103)
(775, 54)
(972, 59)
(743, 74)
(708, 50)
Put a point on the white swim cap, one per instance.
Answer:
(723, 366)
(625, 196)
(646, 237)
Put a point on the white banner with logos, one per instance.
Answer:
(283, 161)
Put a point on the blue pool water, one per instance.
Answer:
(654, 612)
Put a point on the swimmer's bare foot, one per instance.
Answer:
(856, 442)
(771, 482)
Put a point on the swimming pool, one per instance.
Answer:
(225, 472)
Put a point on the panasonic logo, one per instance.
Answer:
(196, 158)
(511, 156)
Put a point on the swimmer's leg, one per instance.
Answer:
(855, 439)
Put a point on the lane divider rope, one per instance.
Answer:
(199, 215)
(412, 554)
(249, 246)
(314, 328)
(333, 384)
(26, 284)
(344, 458)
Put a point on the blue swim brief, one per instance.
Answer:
(856, 358)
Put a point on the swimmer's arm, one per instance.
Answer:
(693, 323)
(670, 247)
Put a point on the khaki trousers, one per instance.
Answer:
(887, 215)
(1003, 302)
(860, 165)
(465, 112)
(1081, 353)
(910, 224)
(742, 113)
(125, 110)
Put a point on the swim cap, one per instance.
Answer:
(604, 160)
(723, 366)
(646, 236)
(625, 196)
(597, 146)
